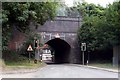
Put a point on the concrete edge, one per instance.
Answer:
(34, 70)
(19, 71)
(98, 68)
(110, 70)
(14, 72)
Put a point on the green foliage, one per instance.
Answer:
(12, 56)
(44, 11)
(19, 14)
(113, 20)
(100, 28)
(29, 41)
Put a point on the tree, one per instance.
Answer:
(19, 14)
(101, 27)
(91, 14)
(113, 19)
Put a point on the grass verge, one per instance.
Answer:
(104, 65)
(20, 65)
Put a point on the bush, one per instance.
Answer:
(12, 56)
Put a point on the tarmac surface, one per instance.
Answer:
(63, 71)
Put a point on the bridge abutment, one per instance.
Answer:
(66, 28)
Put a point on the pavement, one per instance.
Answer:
(34, 70)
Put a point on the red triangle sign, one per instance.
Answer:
(30, 48)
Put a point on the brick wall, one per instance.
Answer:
(17, 39)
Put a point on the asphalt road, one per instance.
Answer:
(64, 71)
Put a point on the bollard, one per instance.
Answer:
(87, 62)
(35, 61)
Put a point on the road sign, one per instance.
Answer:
(45, 46)
(57, 36)
(38, 47)
(30, 48)
(83, 47)
(36, 42)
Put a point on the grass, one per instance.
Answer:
(104, 65)
(12, 65)
(24, 63)
(15, 62)
(2, 63)
(12, 60)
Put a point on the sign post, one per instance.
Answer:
(29, 50)
(37, 54)
(83, 49)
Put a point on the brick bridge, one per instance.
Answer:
(66, 46)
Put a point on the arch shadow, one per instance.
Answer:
(61, 50)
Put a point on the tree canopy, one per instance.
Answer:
(19, 14)
(100, 27)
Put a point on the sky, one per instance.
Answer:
(101, 2)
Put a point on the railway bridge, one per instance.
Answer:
(61, 35)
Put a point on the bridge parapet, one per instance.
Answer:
(68, 37)
(61, 24)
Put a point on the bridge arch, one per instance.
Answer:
(61, 50)
(67, 28)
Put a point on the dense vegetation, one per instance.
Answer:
(100, 27)
(19, 14)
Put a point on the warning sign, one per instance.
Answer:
(38, 47)
(30, 48)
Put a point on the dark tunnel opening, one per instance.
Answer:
(61, 49)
